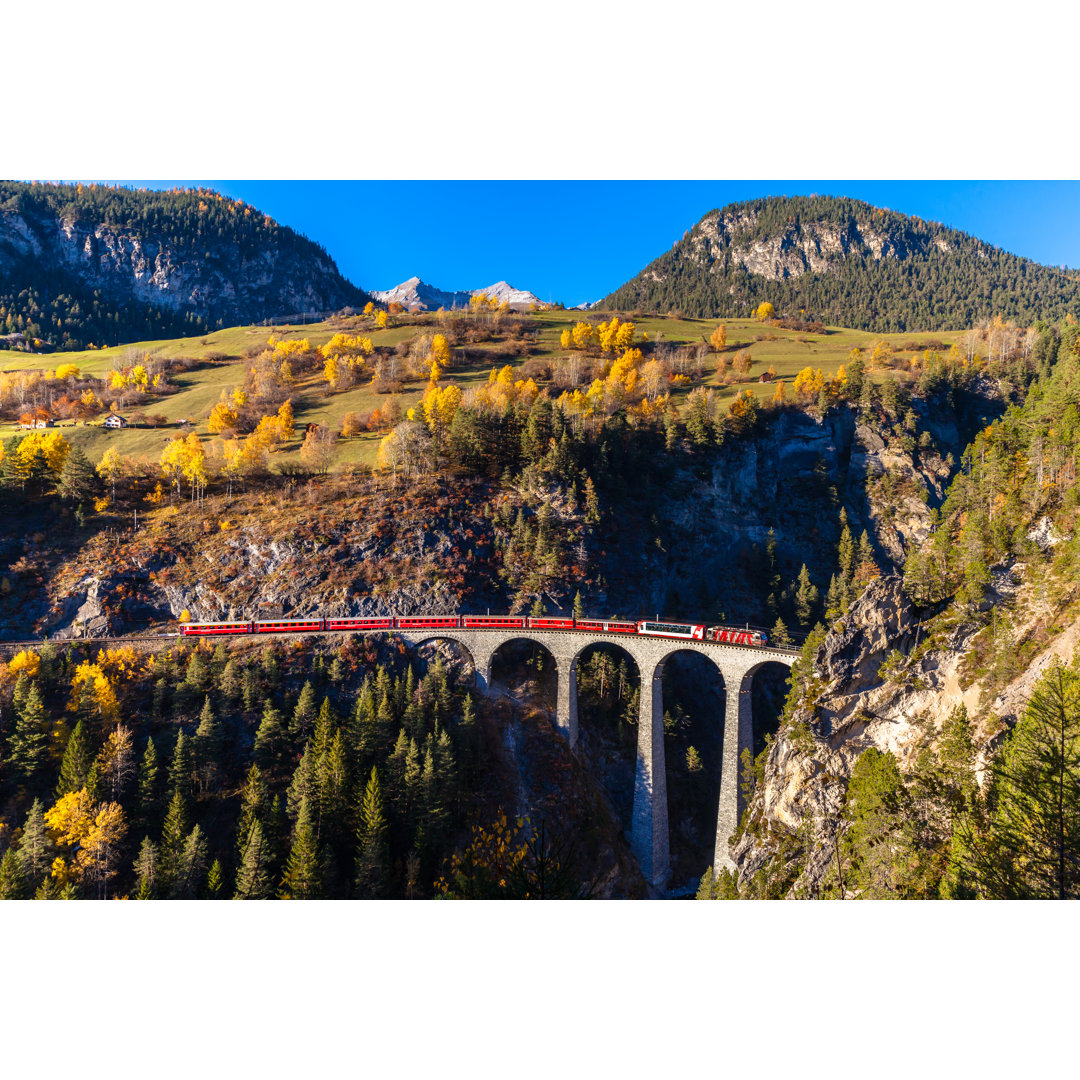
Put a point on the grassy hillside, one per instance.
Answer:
(223, 364)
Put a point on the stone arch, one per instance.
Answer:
(767, 697)
(479, 677)
(609, 751)
(551, 676)
(693, 689)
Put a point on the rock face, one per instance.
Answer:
(418, 295)
(859, 698)
(220, 279)
(897, 272)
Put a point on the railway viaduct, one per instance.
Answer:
(736, 664)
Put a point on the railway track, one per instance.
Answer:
(9, 648)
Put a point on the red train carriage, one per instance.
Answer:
(215, 628)
(492, 622)
(290, 626)
(386, 623)
(606, 626)
(551, 624)
(733, 636)
(421, 622)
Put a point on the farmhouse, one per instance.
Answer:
(115, 420)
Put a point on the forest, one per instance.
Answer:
(51, 304)
(935, 278)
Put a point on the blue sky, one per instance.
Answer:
(573, 241)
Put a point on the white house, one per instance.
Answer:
(115, 420)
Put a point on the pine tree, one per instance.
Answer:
(13, 885)
(303, 717)
(190, 867)
(269, 740)
(806, 598)
(77, 761)
(35, 847)
(182, 767)
(579, 607)
(146, 871)
(29, 743)
(149, 781)
(845, 558)
(833, 599)
(302, 785)
(78, 480)
(215, 881)
(173, 834)
(779, 635)
(303, 872)
(208, 744)
(253, 877)
(1029, 845)
(254, 804)
(373, 858)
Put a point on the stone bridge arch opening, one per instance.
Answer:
(526, 671)
(768, 692)
(608, 684)
(694, 694)
(454, 654)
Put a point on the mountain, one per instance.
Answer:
(83, 264)
(417, 294)
(847, 263)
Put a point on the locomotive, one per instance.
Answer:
(684, 631)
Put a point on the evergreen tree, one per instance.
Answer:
(269, 740)
(29, 743)
(373, 859)
(182, 767)
(35, 846)
(303, 872)
(215, 881)
(173, 835)
(78, 480)
(254, 804)
(579, 607)
(208, 745)
(303, 717)
(806, 598)
(13, 885)
(779, 635)
(253, 877)
(149, 781)
(146, 871)
(190, 867)
(1029, 845)
(77, 761)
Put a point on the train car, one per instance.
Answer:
(422, 622)
(551, 624)
(606, 626)
(290, 626)
(383, 623)
(686, 631)
(195, 629)
(734, 636)
(492, 622)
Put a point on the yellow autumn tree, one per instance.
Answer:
(223, 417)
(764, 311)
(51, 446)
(91, 684)
(67, 371)
(24, 663)
(381, 319)
(440, 351)
(718, 338)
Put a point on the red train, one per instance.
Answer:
(684, 631)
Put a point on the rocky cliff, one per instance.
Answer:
(192, 256)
